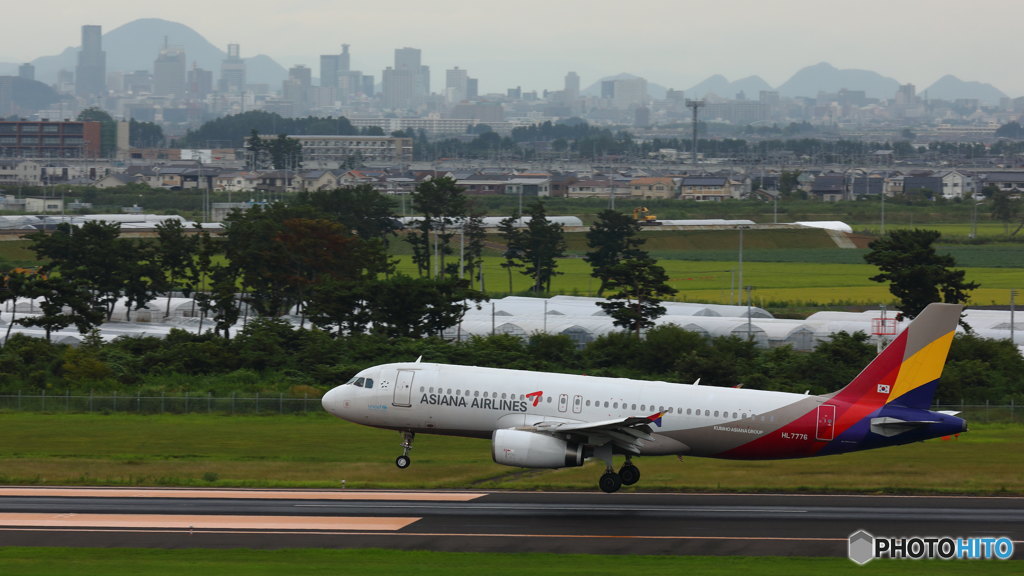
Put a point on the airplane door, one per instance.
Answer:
(826, 422)
(563, 402)
(577, 404)
(403, 388)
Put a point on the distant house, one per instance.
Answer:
(235, 181)
(529, 186)
(931, 186)
(829, 187)
(116, 180)
(652, 187)
(1012, 182)
(709, 188)
(956, 184)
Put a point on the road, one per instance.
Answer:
(623, 523)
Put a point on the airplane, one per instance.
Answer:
(549, 420)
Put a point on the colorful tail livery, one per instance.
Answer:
(545, 420)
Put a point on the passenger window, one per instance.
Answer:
(606, 404)
(716, 413)
(634, 407)
(707, 412)
(689, 411)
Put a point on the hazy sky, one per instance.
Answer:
(533, 43)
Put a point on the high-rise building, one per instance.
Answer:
(408, 60)
(27, 71)
(298, 88)
(456, 86)
(200, 82)
(232, 71)
(328, 91)
(572, 87)
(330, 69)
(91, 71)
(169, 78)
(399, 89)
(344, 62)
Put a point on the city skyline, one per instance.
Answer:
(533, 45)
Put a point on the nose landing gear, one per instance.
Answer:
(403, 461)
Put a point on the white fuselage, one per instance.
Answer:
(473, 401)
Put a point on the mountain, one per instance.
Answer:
(952, 88)
(136, 45)
(718, 85)
(824, 77)
(26, 97)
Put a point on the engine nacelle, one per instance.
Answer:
(532, 450)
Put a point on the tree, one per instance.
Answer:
(639, 286)
(917, 276)
(541, 244)
(145, 134)
(613, 237)
(441, 202)
(108, 129)
(403, 306)
(513, 245)
(285, 153)
(361, 209)
(63, 302)
(94, 257)
(174, 251)
(1006, 209)
(474, 237)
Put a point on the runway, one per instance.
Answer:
(623, 523)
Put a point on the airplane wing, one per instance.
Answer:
(625, 433)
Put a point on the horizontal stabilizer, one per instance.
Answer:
(887, 426)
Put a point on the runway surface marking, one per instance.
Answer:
(239, 494)
(202, 522)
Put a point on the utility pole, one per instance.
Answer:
(695, 105)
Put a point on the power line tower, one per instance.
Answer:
(695, 104)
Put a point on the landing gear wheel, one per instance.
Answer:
(629, 475)
(610, 482)
(403, 461)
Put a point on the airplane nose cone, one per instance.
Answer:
(333, 400)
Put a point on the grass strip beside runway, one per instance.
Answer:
(114, 562)
(317, 451)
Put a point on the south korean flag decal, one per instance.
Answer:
(883, 388)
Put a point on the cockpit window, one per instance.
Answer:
(358, 382)
(368, 383)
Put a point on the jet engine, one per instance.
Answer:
(533, 450)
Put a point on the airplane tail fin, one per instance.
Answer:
(907, 371)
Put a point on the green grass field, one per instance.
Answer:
(321, 451)
(116, 562)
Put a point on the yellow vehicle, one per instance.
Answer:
(643, 215)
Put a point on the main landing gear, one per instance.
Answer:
(611, 481)
(403, 461)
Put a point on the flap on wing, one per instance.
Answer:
(625, 433)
